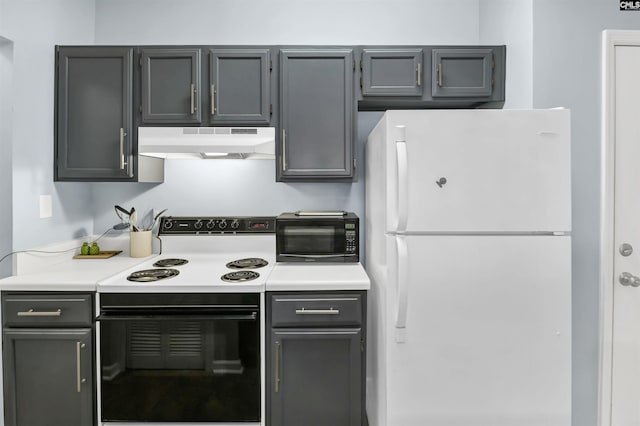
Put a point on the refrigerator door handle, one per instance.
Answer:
(403, 288)
(403, 180)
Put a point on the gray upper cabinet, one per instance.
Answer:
(462, 72)
(317, 111)
(94, 99)
(171, 85)
(391, 72)
(239, 91)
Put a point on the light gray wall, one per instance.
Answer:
(286, 21)
(566, 70)
(230, 187)
(6, 214)
(249, 187)
(35, 26)
(511, 22)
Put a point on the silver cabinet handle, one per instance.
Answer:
(122, 136)
(440, 74)
(32, 313)
(419, 71)
(79, 379)
(284, 150)
(329, 311)
(213, 99)
(194, 108)
(277, 361)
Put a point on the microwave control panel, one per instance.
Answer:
(351, 237)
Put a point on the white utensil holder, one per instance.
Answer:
(140, 243)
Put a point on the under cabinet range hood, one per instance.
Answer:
(207, 142)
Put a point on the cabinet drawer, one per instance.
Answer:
(316, 310)
(46, 310)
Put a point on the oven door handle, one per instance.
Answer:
(164, 317)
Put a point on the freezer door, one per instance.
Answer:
(478, 170)
(486, 338)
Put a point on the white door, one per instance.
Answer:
(621, 285)
(480, 170)
(487, 336)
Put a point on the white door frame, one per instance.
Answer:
(610, 39)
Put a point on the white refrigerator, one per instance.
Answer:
(468, 247)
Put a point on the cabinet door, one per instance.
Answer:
(465, 73)
(317, 112)
(315, 377)
(94, 130)
(48, 377)
(171, 86)
(239, 91)
(396, 72)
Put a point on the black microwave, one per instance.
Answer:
(317, 237)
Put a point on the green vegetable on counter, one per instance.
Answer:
(94, 249)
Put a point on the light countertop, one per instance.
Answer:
(317, 276)
(71, 274)
(63, 273)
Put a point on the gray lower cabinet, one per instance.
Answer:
(48, 377)
(391, 72)
(317, 113)
(462, 72)
(94, 121)
(315, 359)
(171, 85)
(239, 91)
(48, 360)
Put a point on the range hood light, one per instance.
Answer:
(214, 154)
(207, 142)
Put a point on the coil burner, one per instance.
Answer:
(165, 263)
(247, 263)
(150, 275)
(239, 276)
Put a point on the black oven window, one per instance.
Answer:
(187, 370)
(307, 240)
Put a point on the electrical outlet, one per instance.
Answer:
(46, 206)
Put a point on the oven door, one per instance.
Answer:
(180, 365)
(310, 240)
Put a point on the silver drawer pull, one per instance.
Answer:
(329, 311)
(32, 313)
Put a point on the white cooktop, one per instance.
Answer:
(202, 274)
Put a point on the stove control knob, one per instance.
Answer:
(168, 224)
(222, 224)
(198, 224)
(211, 224)
(235, 224)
